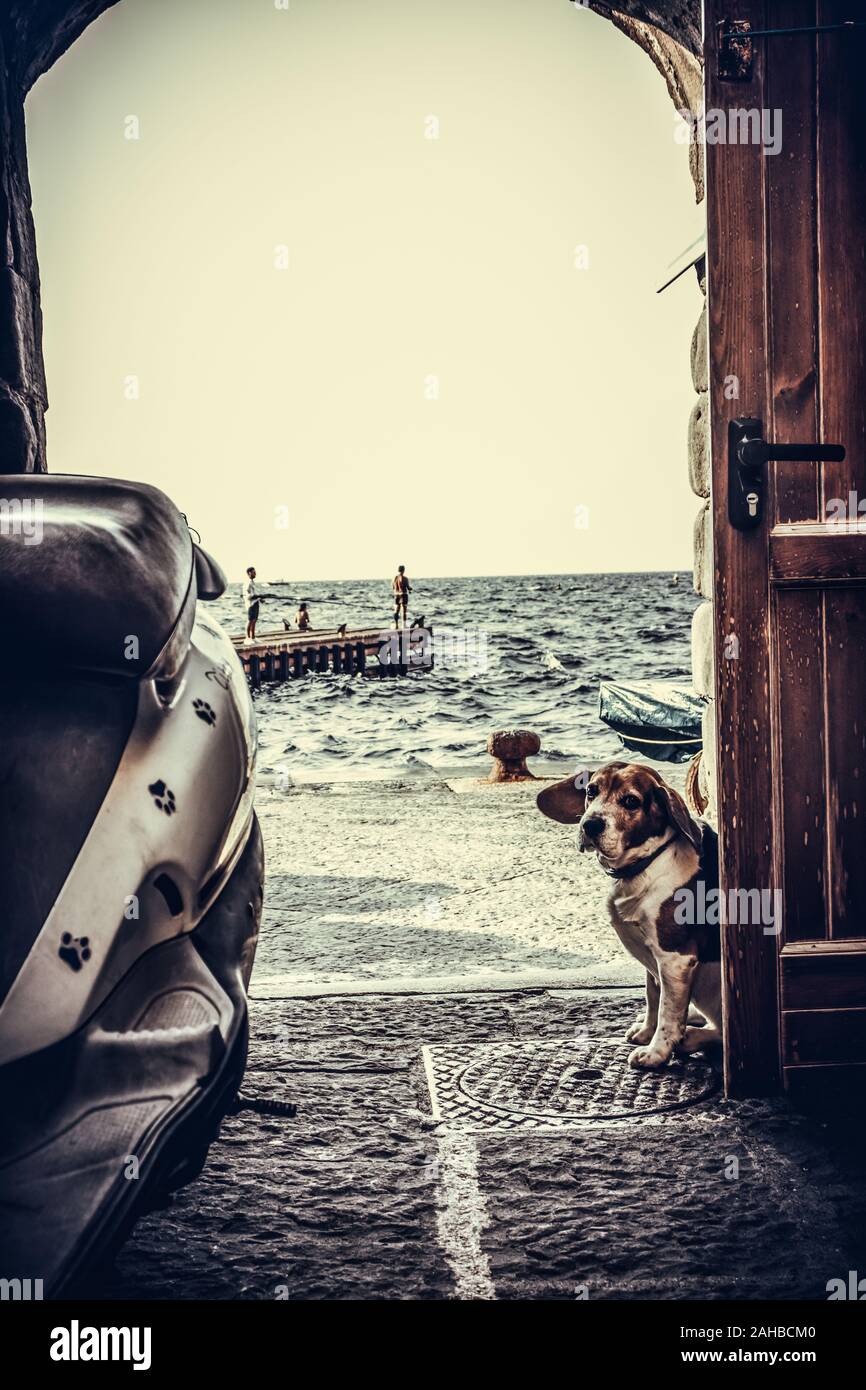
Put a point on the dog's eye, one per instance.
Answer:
(631, 803)
(591, 792)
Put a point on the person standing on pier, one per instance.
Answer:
(402, 589)
(252, 599)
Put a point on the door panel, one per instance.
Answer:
(818, 1036)
(802, 805)
(793, 317)
(787, 303)
(841, 200)
(839, 977)
(845, 625)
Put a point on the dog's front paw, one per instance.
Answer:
(649, 1058)
(639, 1032)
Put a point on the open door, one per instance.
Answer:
(787, 307)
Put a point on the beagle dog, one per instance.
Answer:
(655, 854)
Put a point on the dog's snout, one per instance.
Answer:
(593, 826)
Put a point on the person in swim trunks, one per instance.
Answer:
(252, 599)
(402, 589)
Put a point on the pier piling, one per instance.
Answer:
(283, 656)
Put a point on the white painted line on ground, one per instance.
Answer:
(427, 1058)
(462, 1215)
(461, 1211)
(279, 986)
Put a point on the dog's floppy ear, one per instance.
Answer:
(565, 801)
(679, 814)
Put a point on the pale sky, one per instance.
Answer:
(430, 379)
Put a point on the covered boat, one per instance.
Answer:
(659, 719)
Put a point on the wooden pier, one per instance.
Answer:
(280, 655)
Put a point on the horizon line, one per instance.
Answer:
(527, 574)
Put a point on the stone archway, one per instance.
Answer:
(34, 34)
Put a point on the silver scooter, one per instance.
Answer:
(132, 866)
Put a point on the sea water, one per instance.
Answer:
(535, 649)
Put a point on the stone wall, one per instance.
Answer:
(700, 475)
(33, 33)
(683, 74)
(23, 397)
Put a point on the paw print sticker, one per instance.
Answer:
(74, 950)
(222, 674)
(163, 797)
(205, 711)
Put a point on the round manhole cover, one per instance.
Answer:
(558, 1081)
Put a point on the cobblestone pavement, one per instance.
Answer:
(363, 1196)
(453, 915)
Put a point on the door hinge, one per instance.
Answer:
(736, 48)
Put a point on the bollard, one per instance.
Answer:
(510, 748)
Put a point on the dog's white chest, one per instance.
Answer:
(634, 922)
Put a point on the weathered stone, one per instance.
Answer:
(702, 649)
(700, 369)
(510, 748)
(696, 169)
(22, 378)
(694, 793)
(37, 34)
(680, 67)
(20, 334)
(703, 572)
(699, 447)
(19, 441)
(678, 19)
(708, 778)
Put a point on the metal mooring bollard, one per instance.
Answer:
(510, 748)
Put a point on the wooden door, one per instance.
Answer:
(787, 305)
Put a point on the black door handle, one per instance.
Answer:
(754, 453)
(748, 455)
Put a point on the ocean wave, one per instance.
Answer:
(541, 673)
(552, 661)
